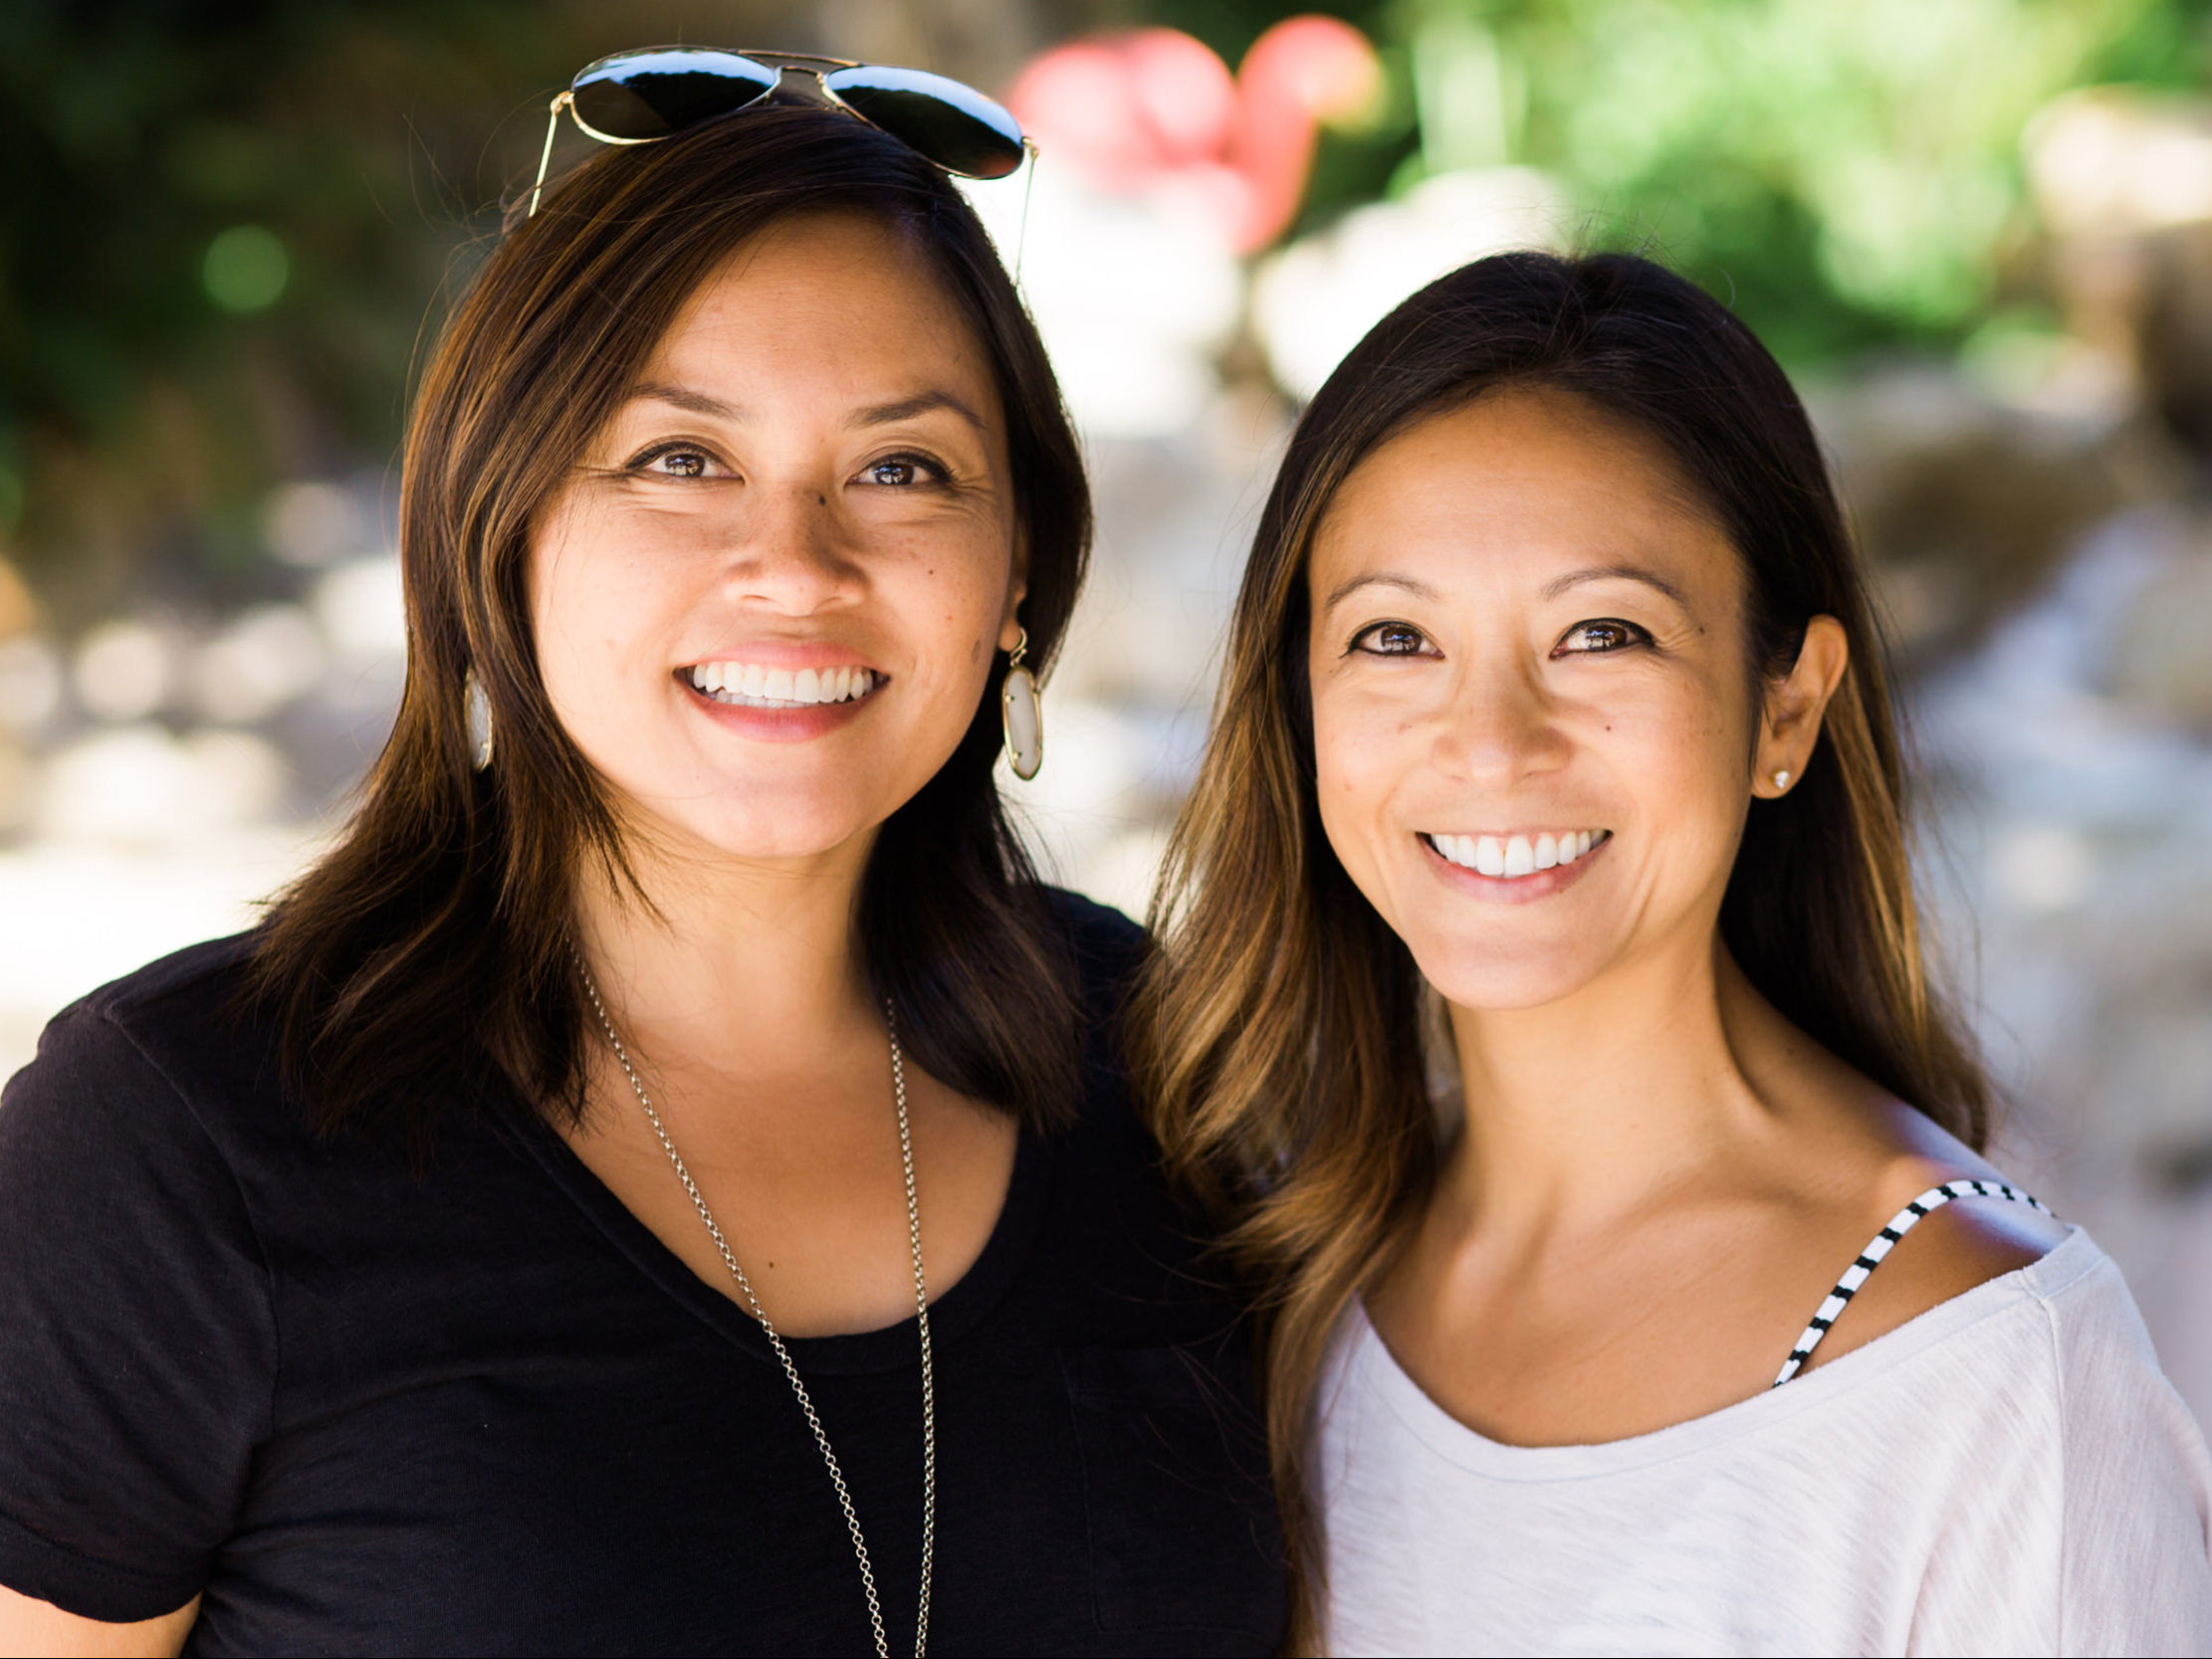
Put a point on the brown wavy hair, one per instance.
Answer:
(1277, 1033)
(424, 962)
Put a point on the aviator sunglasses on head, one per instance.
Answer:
(657, 91)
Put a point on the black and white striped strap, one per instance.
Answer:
(1883, 1243)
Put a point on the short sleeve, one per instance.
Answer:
(137, 1351)
(2137, 1570)
(1108, 949)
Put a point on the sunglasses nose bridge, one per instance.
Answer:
(800, 83)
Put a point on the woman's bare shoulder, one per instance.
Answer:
(1953, 1249)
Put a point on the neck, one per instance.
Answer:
(1590, 1107)
(727, 964)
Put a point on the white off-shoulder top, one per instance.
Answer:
(2010, 1473)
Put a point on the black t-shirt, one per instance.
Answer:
(484, 1409)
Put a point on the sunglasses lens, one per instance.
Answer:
(953, 125)
(650, 95)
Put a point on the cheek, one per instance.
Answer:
(1357, 764)
(952, 603)
(557, 598)
(578, 615)
(602, 609)
(1678, 750)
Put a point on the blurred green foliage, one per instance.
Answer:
(1848, 169)
(219, 224)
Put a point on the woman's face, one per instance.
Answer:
(1533, 727)
(766, 598)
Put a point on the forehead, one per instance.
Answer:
(829, 299)
(1519, 479)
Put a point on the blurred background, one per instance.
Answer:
(1979, 231)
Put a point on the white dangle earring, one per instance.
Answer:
(480, 722)
(1024, 717)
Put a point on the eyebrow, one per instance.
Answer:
(881, 414)
(922, 403)
(1380, 578)
(684, 397)
(1615, 573)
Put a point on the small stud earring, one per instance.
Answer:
(1023, 716)
(1781, 779)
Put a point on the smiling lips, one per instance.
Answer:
(753, 686)
(1514, 856)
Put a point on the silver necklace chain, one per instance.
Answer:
(784, 1355)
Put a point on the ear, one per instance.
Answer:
(1795, 704)
(1017, 589)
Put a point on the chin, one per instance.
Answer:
(760, 832)
(1476, 977)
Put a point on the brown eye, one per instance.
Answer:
(905, 472)
(1599, 636)
(679, 463)
(1390, 639)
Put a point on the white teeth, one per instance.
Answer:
(749, 683)
(1511, 857)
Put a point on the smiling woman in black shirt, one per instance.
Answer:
(517, 1242)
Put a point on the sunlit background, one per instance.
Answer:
(1978, 231)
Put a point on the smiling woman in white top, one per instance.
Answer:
(1554, 753)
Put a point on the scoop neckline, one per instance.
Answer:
(952, 1311)
(1368, 1358)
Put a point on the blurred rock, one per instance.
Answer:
(1134, 295)
(17, 778)
(1963, 506)
(2162, 658)
(2122, 180)
(316, 523)
(30, 685)
(1173, 519)
(1313, 301)
(2068, 860)
(261, 660)
(137, 787)
(125, 670)
(361, 609)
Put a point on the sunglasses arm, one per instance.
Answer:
(544, 157)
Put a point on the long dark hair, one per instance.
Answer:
(1278, 1033)
(425, 961)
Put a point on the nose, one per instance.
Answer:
(1500, 726)
(794, 554)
